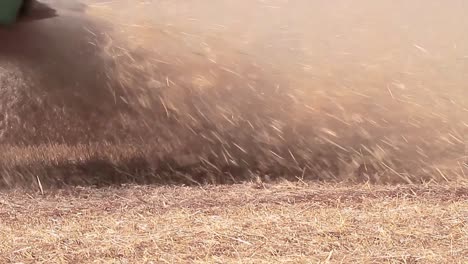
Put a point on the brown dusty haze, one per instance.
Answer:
(203, 91)
(300, 131)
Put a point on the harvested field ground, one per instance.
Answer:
(252, 223)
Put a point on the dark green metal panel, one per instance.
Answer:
(9, 10)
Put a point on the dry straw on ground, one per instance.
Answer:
(286, 223)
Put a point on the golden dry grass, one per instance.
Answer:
(104, 164)
(252, 223)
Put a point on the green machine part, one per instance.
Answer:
(9, 10)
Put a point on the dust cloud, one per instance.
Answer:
(329, 90)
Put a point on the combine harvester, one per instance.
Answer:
(11, 10)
